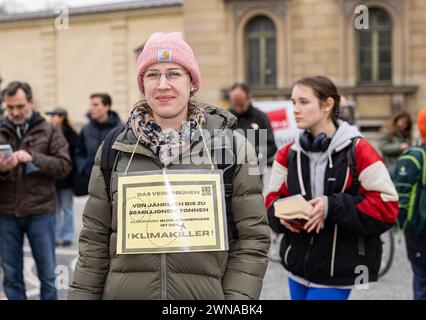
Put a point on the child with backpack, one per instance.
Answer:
(410, 181)
(353, 198)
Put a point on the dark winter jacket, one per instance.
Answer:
(354, 220)
(255, 119)
(233, 274)
(23, 194)
(410, 182)
(89, 140)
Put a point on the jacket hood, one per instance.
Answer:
(217, 118)
(34, 120)
(344, 133)
(343, 136)
(112, 121)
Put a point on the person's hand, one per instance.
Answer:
(7, 162)
(292, 225)
(404, 146)
(23, 156)
(316, 221)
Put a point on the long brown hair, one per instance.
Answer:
(323, 89)
(392, 127)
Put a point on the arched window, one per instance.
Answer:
(374, 48)
(260, 53)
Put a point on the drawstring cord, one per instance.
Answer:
(330, 160)
(133, 153)
(205, 145)
(299, 171)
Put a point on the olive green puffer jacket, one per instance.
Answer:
(235, 274)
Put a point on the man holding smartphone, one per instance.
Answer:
(27, 191)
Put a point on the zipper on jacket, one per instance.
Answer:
(311, 243)
(163, 267)
(163, 256)
(163, 275)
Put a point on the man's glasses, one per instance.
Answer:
(171, 76)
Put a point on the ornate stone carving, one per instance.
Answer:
(241, 7)
(349, 5)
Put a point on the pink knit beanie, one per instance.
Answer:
(167, 47)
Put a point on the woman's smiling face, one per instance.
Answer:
(167, 90)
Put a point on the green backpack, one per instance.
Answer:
(416, 215)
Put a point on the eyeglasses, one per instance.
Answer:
(171, 76)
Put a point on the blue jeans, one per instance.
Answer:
(300, 292)
(419, 280)
(64, 215)
(40, 230)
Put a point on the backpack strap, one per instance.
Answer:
(423, 165)
(350, 157)
(108, 156)
(228, 179)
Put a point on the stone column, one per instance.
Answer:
(119, 31)
(49, 96)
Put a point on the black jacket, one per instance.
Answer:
(255, 116)
(89, 140)
(355, 219)
(71, 137)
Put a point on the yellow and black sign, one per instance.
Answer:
(177, 211)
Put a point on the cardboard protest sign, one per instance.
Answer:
(179, 211)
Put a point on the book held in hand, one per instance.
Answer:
(294, 207)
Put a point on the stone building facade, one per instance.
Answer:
(268, 43)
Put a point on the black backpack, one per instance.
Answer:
(350, 157)
(109, 156)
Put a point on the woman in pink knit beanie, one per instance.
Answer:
(169, 129)
(168, 54)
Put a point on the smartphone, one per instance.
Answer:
(6, 148)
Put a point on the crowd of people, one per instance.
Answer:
(354, 194)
